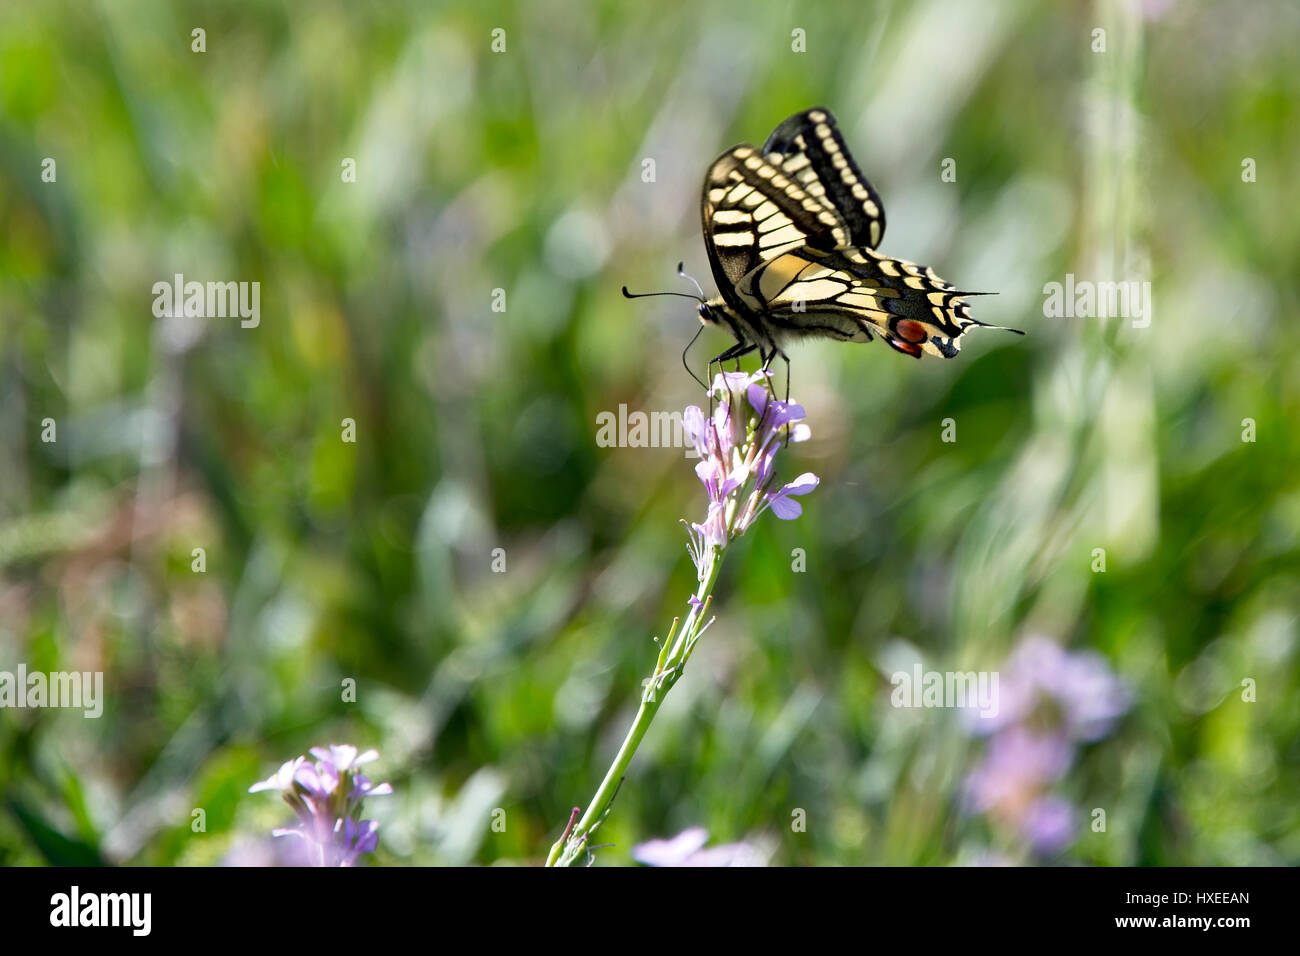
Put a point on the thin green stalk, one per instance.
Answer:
(668, 668)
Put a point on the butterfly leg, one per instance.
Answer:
(735, 352)
(767, 367)
(787, 390)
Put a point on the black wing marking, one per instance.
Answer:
(808, 147)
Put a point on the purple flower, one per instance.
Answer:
(1049, 825)
(687, 849)
(1091, 697)
(673, 851)
(282, 779)
(266, 852)
(1050, 701)
(326, 796)
(696, 428)
(783, 413)
(714, 530)
(343, 757)
(1043, 682)
(357, 838)
(738, 446)
(782, 505)
(1018, 765)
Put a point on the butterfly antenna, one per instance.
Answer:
(646, 295)
(687, 349)
(685, 275)
(684, 295)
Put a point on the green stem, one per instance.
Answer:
(668, 668)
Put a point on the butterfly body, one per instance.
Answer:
(791, 233)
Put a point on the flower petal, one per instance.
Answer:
(696, 428)
(787, 509)
(673, 851)
(801, 485)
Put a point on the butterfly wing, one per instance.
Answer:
(808, 148)
(752, 213)
(791, 235)
(851, 294)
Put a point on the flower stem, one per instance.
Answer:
(676, 650)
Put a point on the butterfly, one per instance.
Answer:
(791, 233)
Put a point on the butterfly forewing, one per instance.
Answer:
(808, 147)
(752, 212)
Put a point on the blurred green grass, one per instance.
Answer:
(476, 429)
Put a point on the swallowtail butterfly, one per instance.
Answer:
(791, 232)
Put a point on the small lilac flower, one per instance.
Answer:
(696, 428)
(357, 838)
(1049, 825)
(326, 796)
(687, 849)
(1050, 701)
(713, 533)
(783, 413)
(738, 446)
(343, 757)
(1091, 696)
(781, 502)
(1019, 764)
(1042, 681)
(672, 851)
(282, 779)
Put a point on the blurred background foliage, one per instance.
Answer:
(522, 171)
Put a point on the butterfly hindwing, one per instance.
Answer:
(808, 147)
(851, 294)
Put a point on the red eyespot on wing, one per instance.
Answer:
(910, 331)
(908, 348)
